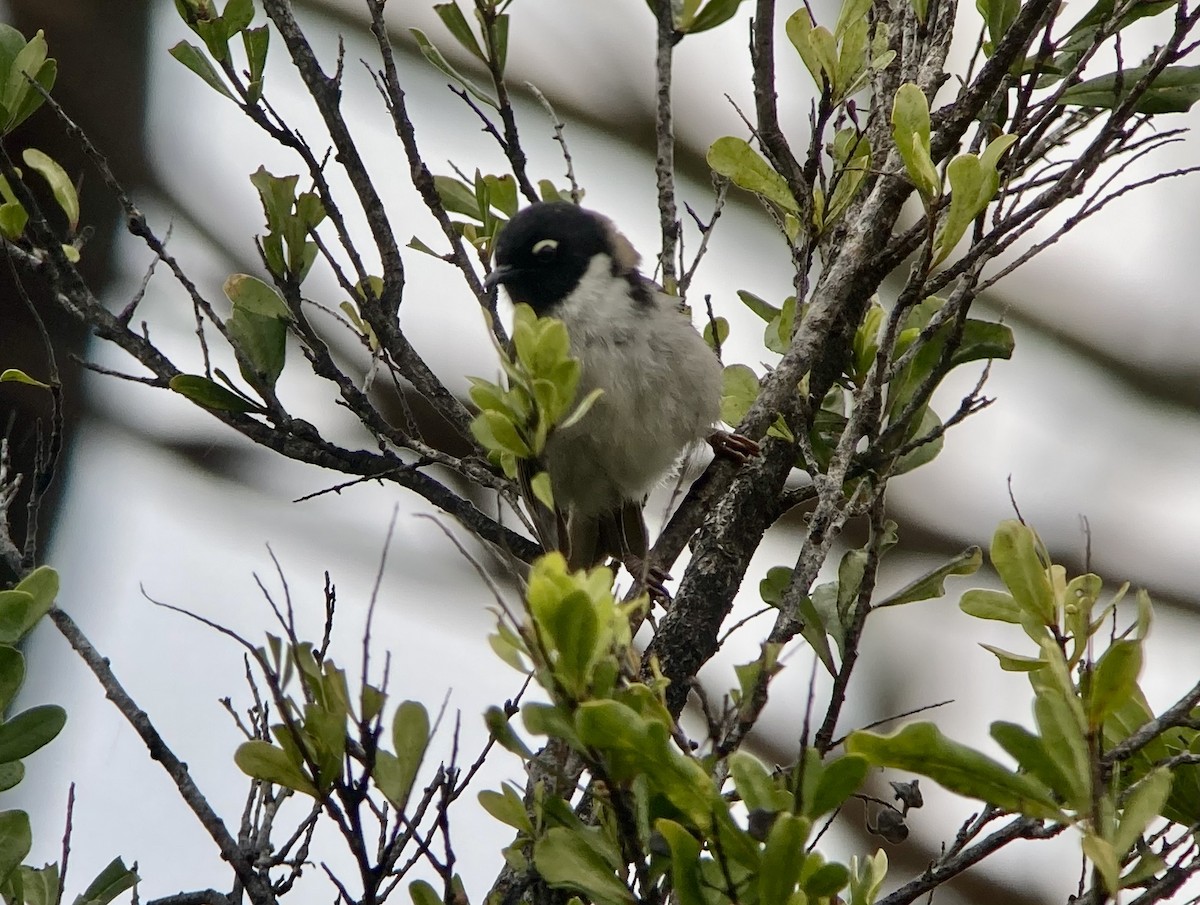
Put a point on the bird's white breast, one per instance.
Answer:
(662, 390)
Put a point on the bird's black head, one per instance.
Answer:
(544, 250)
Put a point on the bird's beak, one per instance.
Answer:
(500, 273)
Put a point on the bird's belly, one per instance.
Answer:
(656, 403)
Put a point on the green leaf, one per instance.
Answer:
(256, 297)
(998, 15)
(685, 862)
(715, 341)
(260, 759)
(910, 131)
(507, 807)
(454, 20)
(1174, 90)
(16, 839)
(39, 886)
(30, 730)
(410, 738)
(15, 610)
(434, 56)
(60, 184)
(109, 883)
(256, 41)
(11, 774)
(209, 395)
(763, 309)
(194, 59)
(756, 786)
(12, 673)
(714, 13)
(799, 27)
(422, 893)
(932, 583)
(739, 390)
(13, 375)
(921, 748)
(1100, 852)
(540, 485)
(13, 218)
(585, 406)
(1143, 803)
(783, 858)
(966, 183)
(1014, 555)
(734, 158)
(839, 779)
(1114, 680)
(28, 63)
(983, 603)
(564, 860)
(1030, 752)
(261, 344)
(1011, 662)
(237, 14)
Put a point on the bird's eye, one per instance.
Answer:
(545, 249)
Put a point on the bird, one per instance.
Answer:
(661, 381)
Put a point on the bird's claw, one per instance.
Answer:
(735, 447)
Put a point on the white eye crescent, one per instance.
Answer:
(545, 246)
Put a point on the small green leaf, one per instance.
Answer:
(763, 309)
(507, 807)
(1143, 803)
(30, 730)
(253, 295)
(422, 893)
(910, 130)
(540, 484)
(840, 778)
(109, 883)
(256, 41)
(38, 887)
(717, 339)
(16, 839)
(932, 583)
(502, 731)
(714, 13)
(209, 395)
(582, 409)
(261, 344)
(983, 603)
(1011, 662)
(12, 375)
(396, 774)
(966, 182)
(434, 56)
(1174, 90)
(454, 20)
(60, 184)
(799, 28)
(734, 158)
(259, 759)
(921, 748)
(783, 858)
(756, 786)
(194, 59)
(1100, 852)
(686, 883)
(564, 860)
(12, 674)
(1114, 680)
(1030, 752)
(739, 390)
(1014, 555)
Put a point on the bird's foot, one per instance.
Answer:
(651, 578)
(735, 447)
